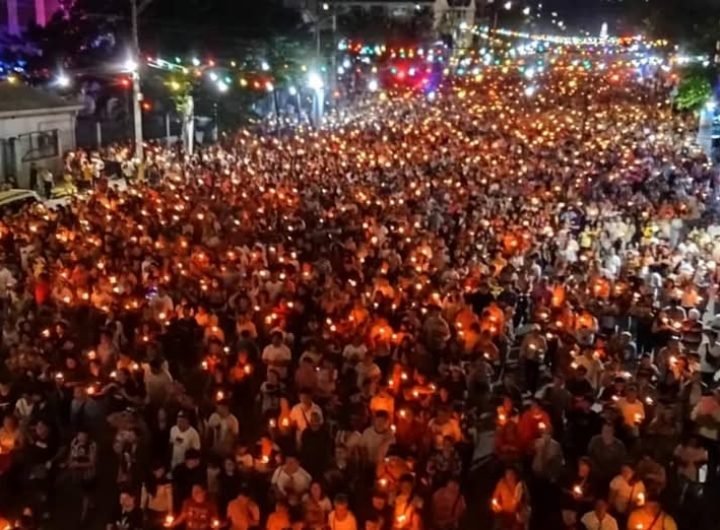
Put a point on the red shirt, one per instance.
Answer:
(198, 515)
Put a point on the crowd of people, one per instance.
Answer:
(496, 306)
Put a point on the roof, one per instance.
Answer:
(23, 99)
(17, 195)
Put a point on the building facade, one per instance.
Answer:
(17, 15)
(36, 128)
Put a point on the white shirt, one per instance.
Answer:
(357, 352)
(373, 441)
(708, 352)
(297, 483)
(272, 353)
(181, 442)
(591, 522)
(301, 417)
(7, 281)
(367, 371)
(276, 354)
(225, 428)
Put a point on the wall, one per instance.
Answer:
(14, 127)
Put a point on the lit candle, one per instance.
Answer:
(169, 520)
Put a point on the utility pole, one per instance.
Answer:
(137, 94)
(333, 54)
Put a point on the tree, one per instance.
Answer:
(694, 89)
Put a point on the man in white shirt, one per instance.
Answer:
(277, 355)
(291, 481)
(626, 491)
(224, 427)
(709, 351)
(300, 413)
(183, 436)
(377, 438)
(599, 518)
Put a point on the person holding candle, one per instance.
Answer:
(156, 497)
(290, 481)
(627, 490)
(510, 502)
(130, 515)
(599, 518)
(243, 512)
(183, 437)
(197, 512)
(651, 516)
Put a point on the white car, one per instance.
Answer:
(11, 201)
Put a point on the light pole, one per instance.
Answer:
(315, 83)
(137, 94)
(327, 6)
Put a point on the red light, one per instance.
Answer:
(147, 106)
(211, 62)
(124, 82)
(400, 74)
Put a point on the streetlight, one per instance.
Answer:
(315, 81)
(507, 5)
(62, 80)
(316, 84)
(526, 11)
(130, 65)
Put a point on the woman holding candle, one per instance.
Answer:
(511, 502)
(156, 496)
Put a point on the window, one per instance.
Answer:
(38, 145)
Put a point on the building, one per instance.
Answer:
(17, 15)
(35, 127)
